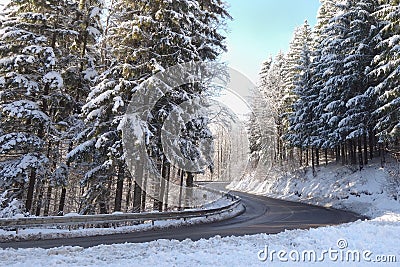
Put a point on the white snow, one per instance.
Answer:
(360, 236)
(94, 32)
(24, 108)
(118, 102)
(90, 74)
(86, 146)
(96, 11)
(54, 79)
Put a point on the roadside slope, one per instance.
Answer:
(373, 191)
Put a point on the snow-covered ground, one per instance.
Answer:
(363, 243)
(370, 241)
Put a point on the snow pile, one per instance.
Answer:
(357, 237)
(9, 208)
(373, 192)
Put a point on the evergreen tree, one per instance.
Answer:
(303, 113)
(359, 49)
(273, 90)
(330, 70)
(37, 41)
(291, 69)
(385, 72)
(29, 78)
(314, 135)
(142, 38)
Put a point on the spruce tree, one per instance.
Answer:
(36, 41)
(385, 72)
(303, 113)
(142, 38)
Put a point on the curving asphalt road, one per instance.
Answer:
(262, 215)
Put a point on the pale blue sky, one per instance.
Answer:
(261, 28)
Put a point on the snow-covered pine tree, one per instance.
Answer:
(273, 90)
(142, 39)
(254, 126)
(81, 61)
(293, 58)
(356, 108)
(385, 72)
(198, 38)
(264, 72)
(35, 36)
(345, 55)
(326, 13)
(330, 69)
(303, 114)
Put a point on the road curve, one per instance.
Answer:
(262, 215)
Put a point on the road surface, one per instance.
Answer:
(262, 215)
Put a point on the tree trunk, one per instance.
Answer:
(103, 204)
(39, 201)
(382, 152)
(163, 184)
(143, 192)
(128, 195)
(31, 188)
(189, 189)
(312, 161)
(301, 157)
(64, 190)
(120, 187)
(157, 190)
(307, 160)
(343, 155)
(137, 190)
(167, 187)
(337, 150)
(360, 154)
(181, 189)
(137, 198)
(326, 156)
(365, 149)
(62, 202)
(371, 144)
(48, 198)
(353, 153)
